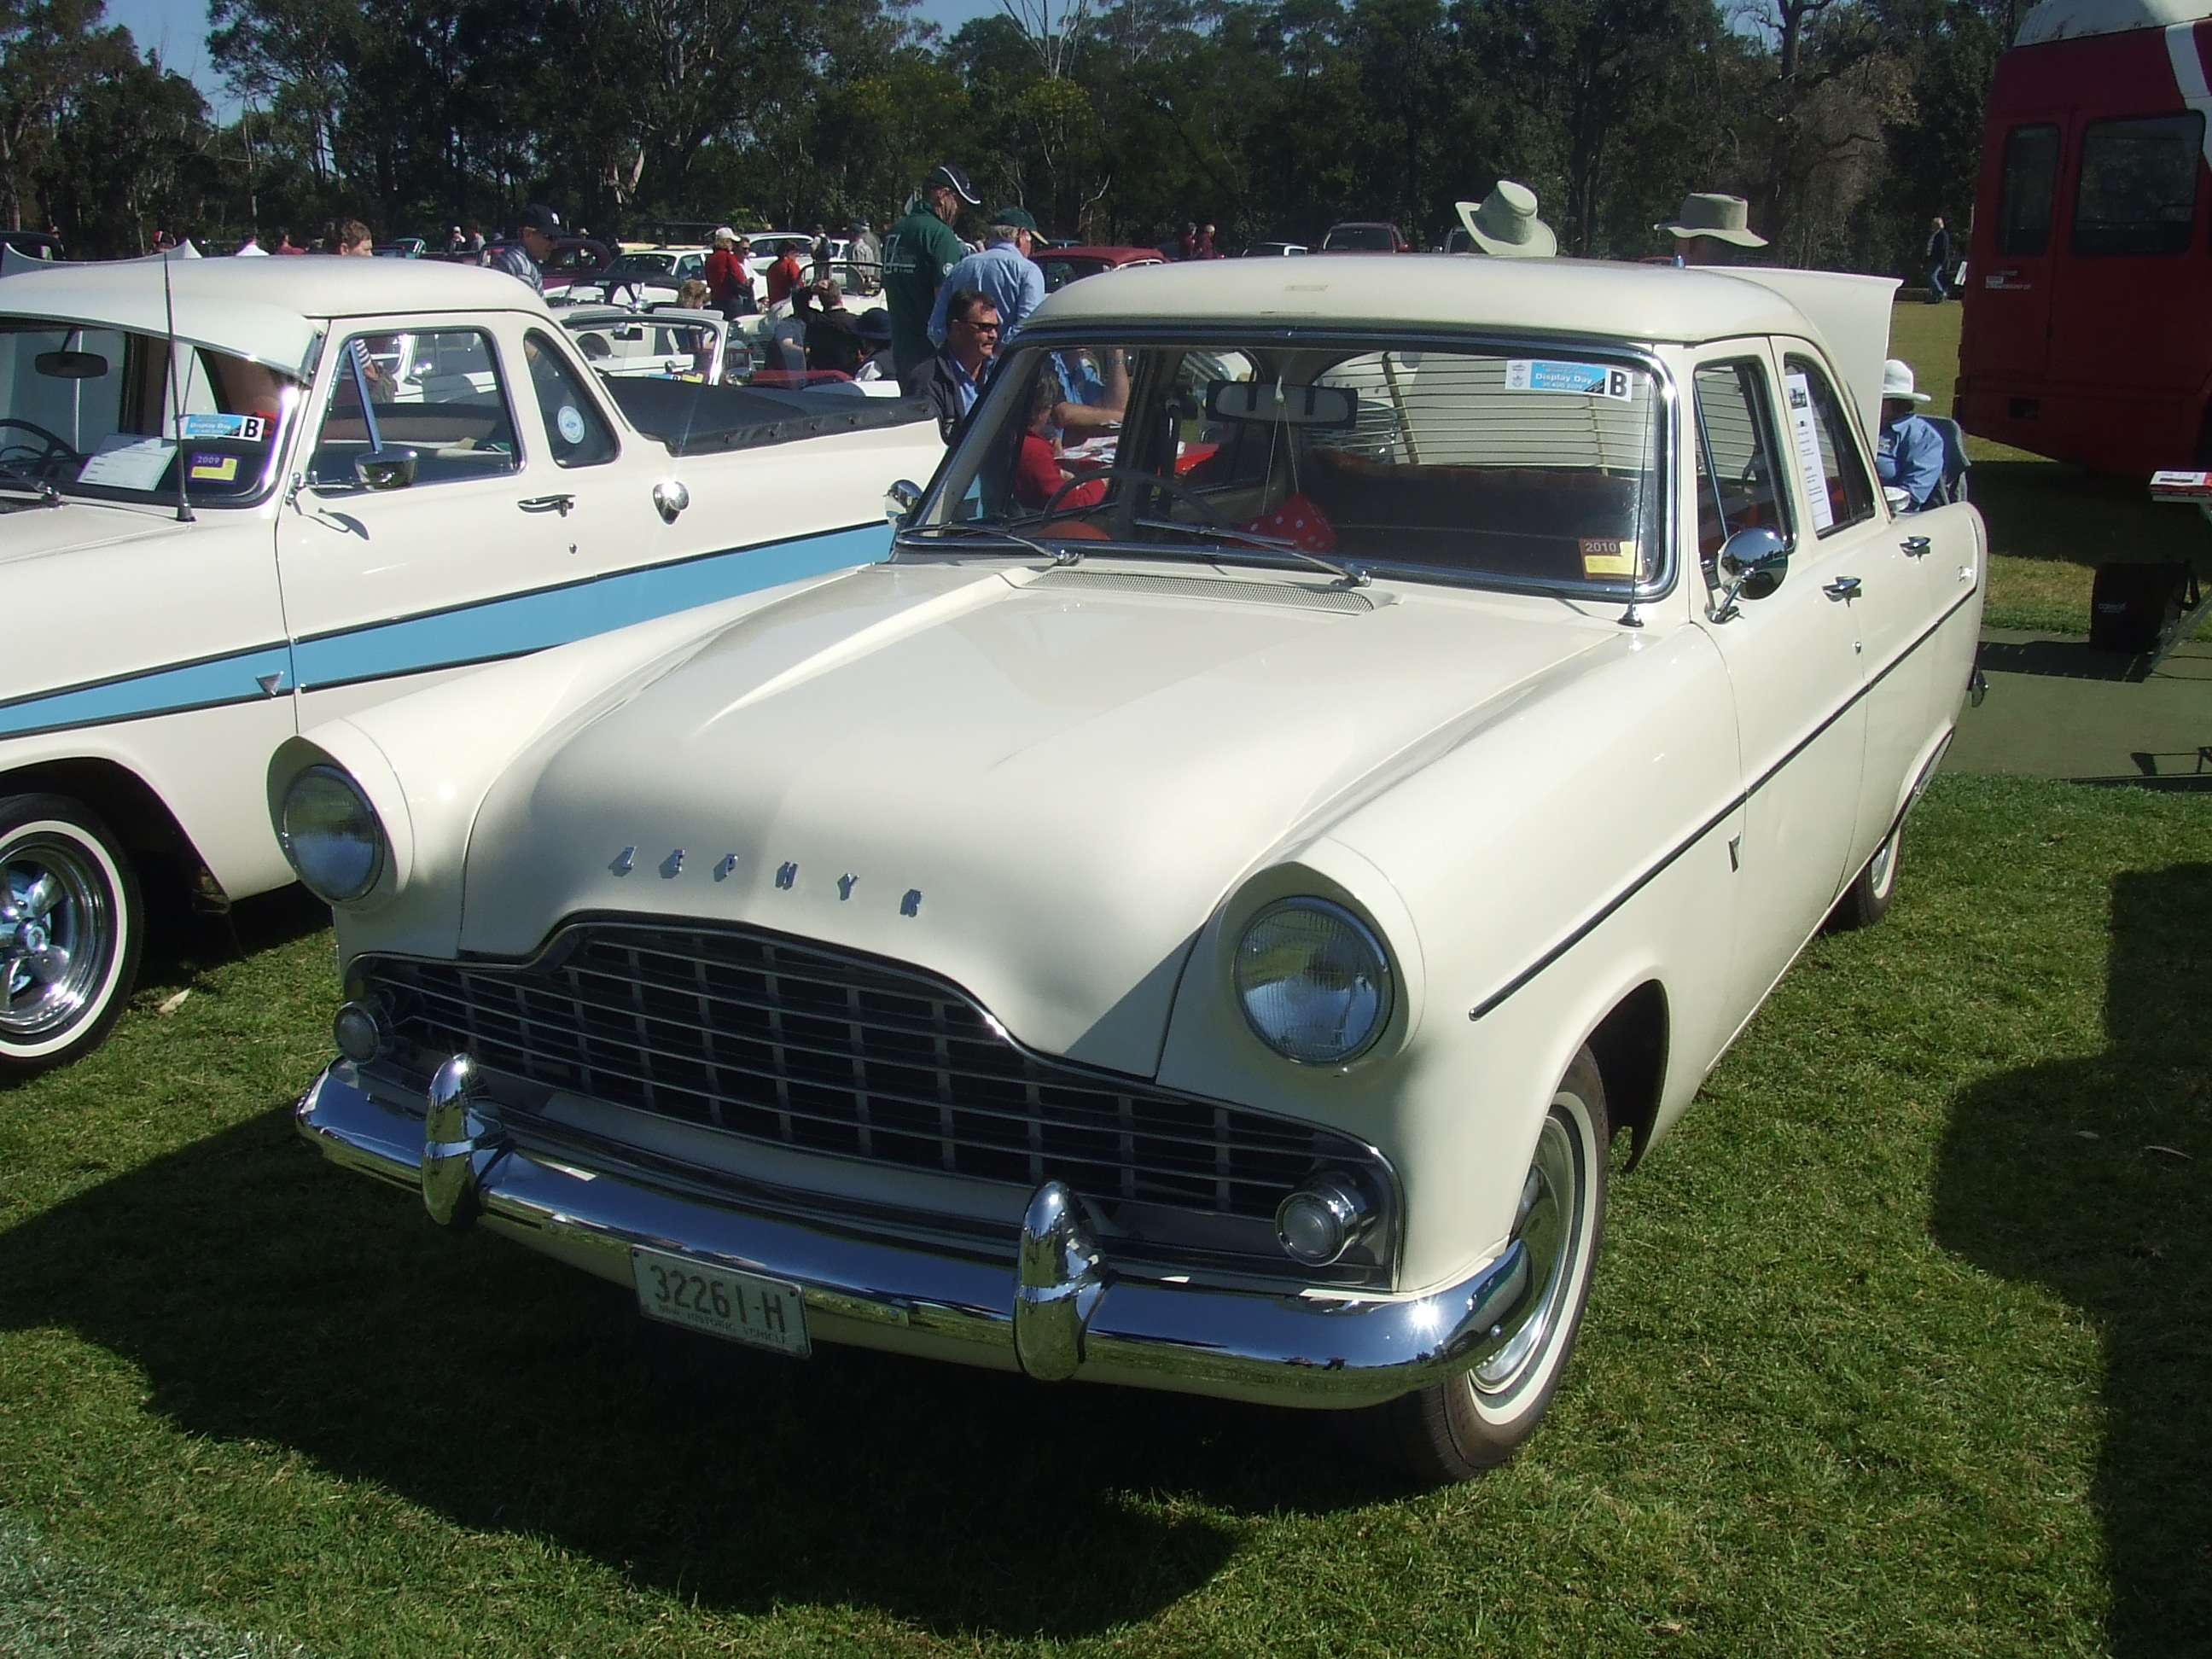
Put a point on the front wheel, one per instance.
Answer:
(70, 925)
(1478, 1419)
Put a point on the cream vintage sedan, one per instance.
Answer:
(1329, 754)
(242, 497)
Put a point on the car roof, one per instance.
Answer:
(2070, 20)
(265, 309)
(1452, 292)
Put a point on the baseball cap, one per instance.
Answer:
(539, 217)
(1018, 217)
(874, 325)
(946, 173)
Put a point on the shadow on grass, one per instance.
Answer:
(2119, 1225)
(266, 1295)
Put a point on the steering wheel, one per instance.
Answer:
(1179, 490)
(56, 444)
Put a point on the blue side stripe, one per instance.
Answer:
(162, 691)
(531, 621)
(471, 634)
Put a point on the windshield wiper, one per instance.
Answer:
(1350, 574)
(15, 478)
(976, 527)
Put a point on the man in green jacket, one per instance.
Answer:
(917, 252)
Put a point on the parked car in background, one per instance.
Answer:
(34, 244)
(1364, 236)
(665, 343)
(574, 259)
(1272, 249)
(361, 476)
(1200, 916)
(400, 247)
(640, 277)
(1063, 265)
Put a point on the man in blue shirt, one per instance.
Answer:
(1910, 456)
(524, 258)
(1003, 272)
(949, 379)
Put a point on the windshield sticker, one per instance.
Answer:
(1587, 380)
(1608, 555)
(127, 461)
(214, 469)
(1799, 391)
(248, 427)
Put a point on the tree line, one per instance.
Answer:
(1845, 123)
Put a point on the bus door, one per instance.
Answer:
(2010, 312)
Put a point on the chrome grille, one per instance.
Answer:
(781, 1041)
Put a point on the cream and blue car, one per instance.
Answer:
(1333, 750)
(239, 497)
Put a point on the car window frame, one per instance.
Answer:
(1759, 351)
(588, 381)
(335, 367)
(1787, 348)
(1216, 334)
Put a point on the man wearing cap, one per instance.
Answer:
(1505, 225)
(729, 282)
(919, 250)
(1709, 229)
(524, 258)
(873, 331)
(1910, 456)
(1004, 270)
(864, 259)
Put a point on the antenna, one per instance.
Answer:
(176, 396)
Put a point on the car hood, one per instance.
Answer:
(33, 530)
(1038, 784)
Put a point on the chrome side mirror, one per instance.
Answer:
(1754, 561)
(385, 469)
(669, 498)
(900, 502)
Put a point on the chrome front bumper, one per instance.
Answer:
(1060, 1312)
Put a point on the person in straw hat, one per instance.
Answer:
(1710, 228)
(1505, 225)
(1910, 456)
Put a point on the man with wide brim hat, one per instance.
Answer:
(1003, 272)
(1711, 228)
(1909, 453)
(1505, 225)
(919, 251)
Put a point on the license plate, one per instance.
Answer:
(762, 1313)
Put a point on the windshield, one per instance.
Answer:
(1471, 466)
(1366, 239)
(93, 411)
(640, 265)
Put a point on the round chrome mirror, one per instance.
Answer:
(1755, 561)
(901, 500)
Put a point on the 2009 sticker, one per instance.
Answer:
(249, 428)
(1584, 380)
(214, 469)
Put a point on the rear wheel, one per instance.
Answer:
(70, 924)
(1477, 1420)
(1866, 901)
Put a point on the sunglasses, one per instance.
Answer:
(981, 328)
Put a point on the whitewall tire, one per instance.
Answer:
(71, 926)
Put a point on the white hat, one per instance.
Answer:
(1505, 225)
(1897, 382)
(722, 234)
(1723, 218)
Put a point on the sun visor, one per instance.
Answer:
(129, 295)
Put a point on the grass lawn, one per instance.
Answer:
(2051, 525)
(1898, 1347)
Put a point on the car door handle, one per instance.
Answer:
(1845, 588)
(559, 504)
(1915, 547)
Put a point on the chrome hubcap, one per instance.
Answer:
(56, 934)
(1549, 1227)
(1879, 867)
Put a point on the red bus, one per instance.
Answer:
(2089, 300)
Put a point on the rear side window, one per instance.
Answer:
(2138, 189)
(2031, 179)
(1739, 480)
(575, 431)
(1837, 489)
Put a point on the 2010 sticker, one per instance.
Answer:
(571, 423)
(1581, 380)
(1608, 555)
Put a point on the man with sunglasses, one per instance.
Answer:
(950, 378)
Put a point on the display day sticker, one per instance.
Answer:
(1608, 555)
(1585, 379)
(248, 427)
(214, 469)
(125, 462)
(1807, 440)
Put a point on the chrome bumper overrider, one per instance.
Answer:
(1060, 1312)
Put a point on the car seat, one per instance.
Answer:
(1953, 486)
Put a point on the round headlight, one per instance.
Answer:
(1314, 981)
(331, 835)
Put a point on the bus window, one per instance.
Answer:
(2138, 189)
(2031, 176)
